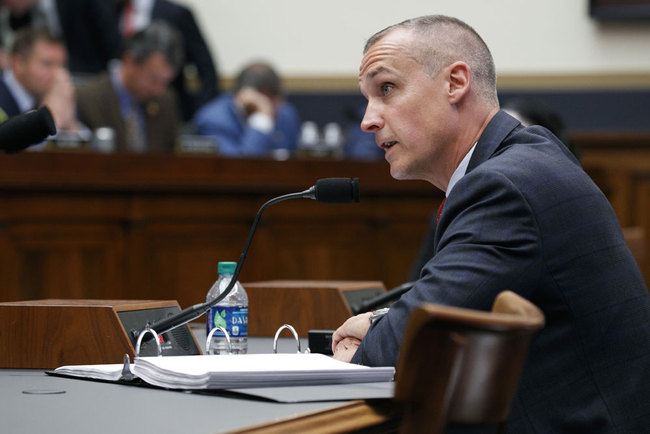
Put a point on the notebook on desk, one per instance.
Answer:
(241, 373)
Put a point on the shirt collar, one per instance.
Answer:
(24, 100)
(460, 170)
(141, 14)
(127, 102)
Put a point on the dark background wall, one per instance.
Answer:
(599, 110)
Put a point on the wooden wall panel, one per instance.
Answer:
(154, 227)
(62, 260)
(620, 165)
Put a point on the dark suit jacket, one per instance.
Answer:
(7, 101)
(196, 53)
(98, 106)
(525, 217)
(91, 34)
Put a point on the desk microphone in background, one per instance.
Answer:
(327, 190)
(26, 129)
(383, 299)
(320, 341)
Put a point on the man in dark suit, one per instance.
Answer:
(519, 214)
(36, 77)
(134, 98)
(8, 105)
(198, 81)
(88, 29)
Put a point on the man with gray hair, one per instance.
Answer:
(519, 214)
(134, 98)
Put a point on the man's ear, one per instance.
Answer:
(460, 80)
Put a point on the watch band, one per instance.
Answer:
(375, 315)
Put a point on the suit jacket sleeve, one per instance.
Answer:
(487, 241)
(105, 23)
(91, 34)
(197, 52)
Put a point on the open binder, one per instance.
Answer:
(235, 372)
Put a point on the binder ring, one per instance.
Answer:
(277, 335)
(126, 369)
(139, 343)
(208, 340)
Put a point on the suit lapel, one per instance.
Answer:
(110, 108)
(499, 127)
(7, 100)
(496, 131)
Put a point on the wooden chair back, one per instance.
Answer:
(461, 366)
(456, 366)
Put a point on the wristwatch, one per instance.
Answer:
(375, 315)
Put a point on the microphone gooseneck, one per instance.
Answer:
(327, 190)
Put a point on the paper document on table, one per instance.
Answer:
(110, 372)
(253, 370)
(237, 371)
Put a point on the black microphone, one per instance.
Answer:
(334, 190)
(328, 190)
(26, 129)
(382, 299)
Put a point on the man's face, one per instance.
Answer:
(148, 79)
(408, 110)
(37, 71)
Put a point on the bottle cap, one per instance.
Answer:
(226, 267)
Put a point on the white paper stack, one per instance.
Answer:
(253, 370)
(237, 371)
(96, 372)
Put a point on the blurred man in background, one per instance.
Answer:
(134, 98)
(198, 80)
(37, 76)
(88, 29)
(254, 120)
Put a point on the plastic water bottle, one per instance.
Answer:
(231, 313)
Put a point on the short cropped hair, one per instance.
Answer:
(443, 40)
(28, 37)
(157, 37)
(261, 77)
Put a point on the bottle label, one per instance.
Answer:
(233, 318)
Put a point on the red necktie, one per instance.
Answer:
(442, 205)
(128, 14)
